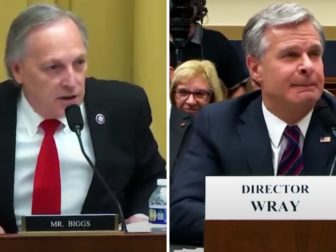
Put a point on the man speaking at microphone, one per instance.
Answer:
(42, 168)
(276, 131)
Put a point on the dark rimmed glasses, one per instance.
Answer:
(198, 94)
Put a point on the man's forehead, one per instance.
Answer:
(55, 36)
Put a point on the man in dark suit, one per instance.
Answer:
(247, 136)
(189, 40)
(46, 55)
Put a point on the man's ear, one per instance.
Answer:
(16, 72)
(254, 67)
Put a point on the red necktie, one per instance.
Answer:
(291, 162)
(47, 181)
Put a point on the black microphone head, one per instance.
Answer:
(326, 116)
(74, 117)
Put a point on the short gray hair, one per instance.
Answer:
(254, 42)
(35, 16)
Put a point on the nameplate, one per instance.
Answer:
(83, 222)
(270, 198)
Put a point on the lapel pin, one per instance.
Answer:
(325, 139)
(100, 119)
(183, 124)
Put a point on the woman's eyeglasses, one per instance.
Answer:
(198, 94)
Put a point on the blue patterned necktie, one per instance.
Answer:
(291, 162)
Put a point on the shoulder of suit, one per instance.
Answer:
(8, 89)
(330, 99)
(239, 103)
(214, 34)
(8, 85)
(112, 86)
(228, 112)
(113, 90)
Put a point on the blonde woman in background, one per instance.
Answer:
(194, 84)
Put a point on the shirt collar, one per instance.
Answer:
(31, 120)
(276, 126)
(196, 38)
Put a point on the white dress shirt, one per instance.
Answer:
(276, 127)
(76, 174)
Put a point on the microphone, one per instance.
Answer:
(75, 122)
(74, 118)
(329, 123)
(326, 116)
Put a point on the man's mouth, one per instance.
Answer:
(67, 98)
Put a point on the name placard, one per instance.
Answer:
(83, 222)
(270, 198)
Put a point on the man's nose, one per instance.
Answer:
(69, 77)
(306, 65)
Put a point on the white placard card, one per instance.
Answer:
(270, 198)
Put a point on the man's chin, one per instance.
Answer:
(306, 101)
(308, 97)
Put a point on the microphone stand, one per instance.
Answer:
(101, 178)
(332, 166)
(333, 131)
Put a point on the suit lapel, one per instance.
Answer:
(8, 107)
(255, 140)
(97, 118)
(179, 125)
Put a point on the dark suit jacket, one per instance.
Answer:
(125, 151)
(230, 138)
(179, 134)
